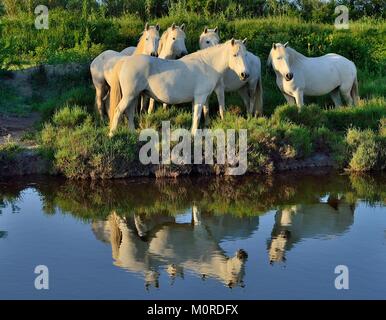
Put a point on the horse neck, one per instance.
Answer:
(216, 57)
(141, 46)
(295, 56)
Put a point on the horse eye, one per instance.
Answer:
(207, 42)
(147, 39)
(174, 38)
(235, 55)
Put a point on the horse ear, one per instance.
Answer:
(206, 30)
(286, 44)
(147, 26)
(216, 30)
(173, 26)
(232, 41)
(274, 46)
(245, 41)
(182, 27)
(158, 27)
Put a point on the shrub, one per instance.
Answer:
(70, 117)
(310, 116)
(82, 150)
(368, 150)
(330, 142)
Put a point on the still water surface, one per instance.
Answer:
(217, 238)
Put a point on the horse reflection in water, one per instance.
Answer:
(294, 223)
(147, 245)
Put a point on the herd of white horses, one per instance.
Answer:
(161, 69)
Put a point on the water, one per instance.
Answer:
(146, 239)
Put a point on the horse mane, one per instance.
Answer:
(294, 56)
(164, 36)
(140, 45)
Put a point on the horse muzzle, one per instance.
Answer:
(244, 76)
(289, 76)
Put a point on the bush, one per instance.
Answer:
(70, 117)
(82, 150)
(329, 142)
(310, 116)
(368, 150)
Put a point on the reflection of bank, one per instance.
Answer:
(294, 223)
(148, 245)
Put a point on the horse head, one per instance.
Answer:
(172, 45)
(237, 58)
(209, 38)
(150, 40)
(279, 57)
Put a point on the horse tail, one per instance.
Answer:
(259, 98)
(115, 89)
(355, 92)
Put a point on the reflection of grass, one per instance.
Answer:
(243, 197)
(3, 234)
(239, 197)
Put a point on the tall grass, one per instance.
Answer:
(70, 38)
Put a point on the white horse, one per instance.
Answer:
(171, 46)
(191, 78)
(298, 75)
(103, 65)
(251, 91)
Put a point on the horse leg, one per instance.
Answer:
(244, 94)
(121, 108)
(252, 99)
(196, 216)
(299, 99)
(165, 106)
(221, 101)
(101, 91)
(290, 100)
(335, 96)
(144, 102)
(131, 113)
(205, 109)
(198, 104)
(346, 93)
(150, 110)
